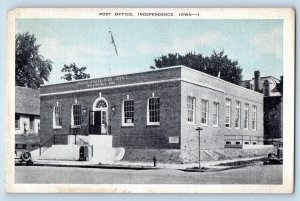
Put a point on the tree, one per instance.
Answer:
(73, 72)
(217, 64)
(32, 69)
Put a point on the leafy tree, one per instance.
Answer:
(217, 64)
(32, 69)
(73, 72)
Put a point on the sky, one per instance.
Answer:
(255, 44)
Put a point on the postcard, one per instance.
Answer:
(150, 100)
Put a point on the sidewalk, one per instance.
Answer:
(134, 165)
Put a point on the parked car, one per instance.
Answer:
(274, 158)
(22, 155)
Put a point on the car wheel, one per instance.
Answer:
(26, 156)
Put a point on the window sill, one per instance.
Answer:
(57, 128)
(73, 126)
(127, 125)
(191, 123)
(228, 127)
(215, 126)
(153, 124)
(204, 125)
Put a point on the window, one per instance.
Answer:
(57, 120)
(191, 109)
(76, 110)
(215, 114)
(17, 122)
(128, 113)
(246, 117)
(101, 104)
(254, 117)
(228, 113)
(238, 115)
(153, 111)
(204, 112)
(31, 123)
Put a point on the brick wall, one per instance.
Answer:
(140, 135)
(213, 137)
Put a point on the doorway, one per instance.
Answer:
(99, 117)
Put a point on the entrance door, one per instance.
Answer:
(100, 121)
(100, 117)
(95, 122)
(103, 122)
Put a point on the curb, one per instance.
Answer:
(92, 166)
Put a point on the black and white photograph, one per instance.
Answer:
(150, 100)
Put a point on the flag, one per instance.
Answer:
(113, 42)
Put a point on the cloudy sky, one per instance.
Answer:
(256, 44)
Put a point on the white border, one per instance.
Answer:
(287, 14)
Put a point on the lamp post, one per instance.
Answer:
(199, 129)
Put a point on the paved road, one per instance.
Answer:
(271, 174)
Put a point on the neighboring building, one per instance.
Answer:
(269, 87)
(262, 83)
(158, 109)
(27, 111)
(273, 118)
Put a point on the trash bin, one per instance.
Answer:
(83, 153)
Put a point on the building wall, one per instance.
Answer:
(140, 135)
(273, 117)
(173, 86)
(216, 90)
(25, 120)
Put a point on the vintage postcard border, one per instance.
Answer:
(288, 15)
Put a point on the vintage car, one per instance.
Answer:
(22, 155)
(276, 159)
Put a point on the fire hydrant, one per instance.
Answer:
(154, 161)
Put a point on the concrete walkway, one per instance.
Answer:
(135, 165)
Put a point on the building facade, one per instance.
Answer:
(27, 111)
(270, 87)
(158, 109)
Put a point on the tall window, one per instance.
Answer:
(153, 111)
(254, 117)
(17, 121)
(191, 109)
(57, 120)
(238, 115)
(76, 115)
(228, 113)
(31, 122)
(246, 117)
(128, 112)
(204, 112)
(215, 114)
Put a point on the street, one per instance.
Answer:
(270, 174)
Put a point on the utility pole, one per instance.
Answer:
(199, 129)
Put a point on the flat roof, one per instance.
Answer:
(167, 74)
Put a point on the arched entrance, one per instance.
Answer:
(99, 117)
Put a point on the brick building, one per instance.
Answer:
(158, 109)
